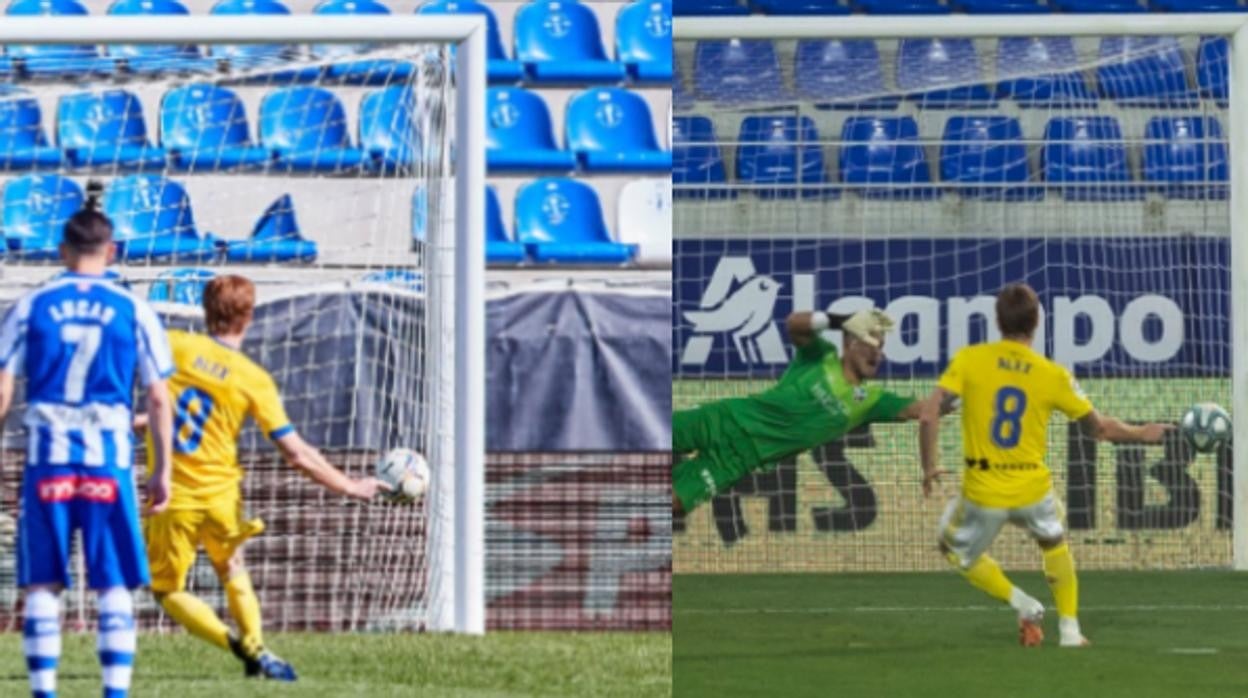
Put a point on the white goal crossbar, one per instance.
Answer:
(1232, 26)
(460, 557)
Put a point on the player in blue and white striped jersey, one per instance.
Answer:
(80, 340)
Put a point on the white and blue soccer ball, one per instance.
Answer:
(407, 473)
(1206, 426)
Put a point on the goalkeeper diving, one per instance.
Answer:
(821, 397)
(215, 387)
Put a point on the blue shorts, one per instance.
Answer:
(100, 502)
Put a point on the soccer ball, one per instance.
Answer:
(407, 472)
(1206, 426)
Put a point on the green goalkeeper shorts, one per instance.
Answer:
(721, 453)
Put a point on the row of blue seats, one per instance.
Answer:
(555, 41)
(185, 285)
(936, 7)
(152, 222)
(304, 129)
(1083, 157)
(204, 128)
(944, 73)
(606, 129)
(557, 221)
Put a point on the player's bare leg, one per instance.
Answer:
(1059, 571)
(41, 638)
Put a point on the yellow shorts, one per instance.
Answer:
(175, 535)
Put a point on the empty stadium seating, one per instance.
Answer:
(519, 135)
(501, 68)
(981, 155)
(306, 127)
(1085, 158)
(55, 60)
(776, 153)
(106, 130)
(389, 135)
(880, 155)
(1144, 71)
(152, 220)
(697, 161)
(643, 40)
(250, 55)
(942, 73)
(23, 145)
(499, 247)
(560, 221)
(841, 73)
(204, 128)
(611, 129)
(184, 285)
(736, 72)
(560, 42)
(1046, 69)
(645, 219)
(157, 58)
(275, 238)
(1185, 157)
(36, 207)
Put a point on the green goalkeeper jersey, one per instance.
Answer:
(812, 404)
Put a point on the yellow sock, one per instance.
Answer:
(245, 609)
(197, 617)
(986, 575)
(1059, 570)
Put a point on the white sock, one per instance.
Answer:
(1069, 628)
(1025, 604)
(117, 640)
(41, 640)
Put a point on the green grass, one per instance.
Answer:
(1160, 634)
(378, 666)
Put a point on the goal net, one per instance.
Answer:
(296, 163)
(836, 169)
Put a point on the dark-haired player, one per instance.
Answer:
(1008, 393)
(80, 340)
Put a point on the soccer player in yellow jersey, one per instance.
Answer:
(1008, 392)
(215, 388)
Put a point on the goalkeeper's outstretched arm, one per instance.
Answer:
(1105, 428)
(309, 459)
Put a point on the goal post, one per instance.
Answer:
(440, 283)
(744, 217)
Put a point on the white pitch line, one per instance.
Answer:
(1142, 608)
(1195, 651)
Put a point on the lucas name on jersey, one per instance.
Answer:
(81, 309)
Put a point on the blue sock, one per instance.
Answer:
(117, 641)
(41, 641)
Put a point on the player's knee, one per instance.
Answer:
(230, 567)
(117, 600)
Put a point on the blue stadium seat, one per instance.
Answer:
(23, 145)
(902, 7)
(275, 238)
(681, 99)
(307, 128)
(982, 154)
(1144, 71)
(152, 220)
(246, 56)
(1194, 6)
(942, 73)
(559, 42)
(204, 128)
(36, 207)
(1185, 156)
(821, 8)
(643, 40)
(403, 278)
(1002, 7)
(499, 247)
(106, 130)
(610, 129)
(703, 8)
(388, 132)
(697, 159)
(783, 153)
(1048, 70)
(158, 58)
(501, 68)
(56, 60)
(841, 73)
(881, 158)
(519, 134)
(361, 71)
(1084, 157)
(1211, 68)
(184, 285)
(560, 221)
(738, 72)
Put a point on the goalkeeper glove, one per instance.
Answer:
(869, 325)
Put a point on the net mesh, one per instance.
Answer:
(921, 176)
(296, 167)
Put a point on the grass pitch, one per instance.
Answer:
(1161, 634)
(499, 664)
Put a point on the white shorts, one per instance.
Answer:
(968, 529)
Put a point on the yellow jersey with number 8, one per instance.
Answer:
(1008, 394)
(214, 389)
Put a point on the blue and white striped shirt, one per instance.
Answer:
(79, 340)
